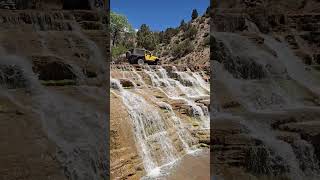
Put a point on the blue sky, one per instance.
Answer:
(158, 14)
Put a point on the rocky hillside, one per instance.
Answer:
(188, 47)
(265, 59)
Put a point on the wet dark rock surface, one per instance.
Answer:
(52, 98)
(268, 139)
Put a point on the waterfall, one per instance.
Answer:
(267, 79)
(295, 67)
(96, 57)
(200, 81)
(184, 136)
(172, 87)
(154, 121)
(149, 129)
(70, 124)
(255, 93)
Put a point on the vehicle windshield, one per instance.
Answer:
(139, 51)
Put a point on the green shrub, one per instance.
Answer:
(116, 51)
(202, 20)
(146, 38)
(182, 49)
(206, 41)
(168, 34)
(190, 32)
(165, 53)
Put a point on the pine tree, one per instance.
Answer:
(145, 38)
(182, 23)
(194, 14)
(207, 14)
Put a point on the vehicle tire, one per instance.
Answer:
(140, 61)
(128, 54)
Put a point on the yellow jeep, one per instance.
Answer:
(141, 56)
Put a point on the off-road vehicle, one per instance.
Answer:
(141, 56)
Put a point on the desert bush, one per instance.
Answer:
(165, 53)
(168, 34)
(206, 41)
(202, 20)
(182, 49)
(116, 51)
(190, 32)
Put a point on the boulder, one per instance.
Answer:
(126, 83)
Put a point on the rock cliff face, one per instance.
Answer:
(266, 89)
(52, 4)
(53, 65)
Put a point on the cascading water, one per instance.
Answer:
(193, 92)
(294, 65)
(95, 56)
(77, 128)
(254, 76)
(201, 82)
(184, 136)
(72, 125)
(162, 137)
(149, 130)
(251, 93)
(197, 88)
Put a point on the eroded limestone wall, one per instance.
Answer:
(52, 4)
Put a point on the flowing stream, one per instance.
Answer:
(154, 129)
(77, 128)
(71, 124)
(267, 79)
(189, 94)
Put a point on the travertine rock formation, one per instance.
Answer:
(266, 119)
(53, 64)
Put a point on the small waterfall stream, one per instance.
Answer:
(254, 75)
(64, 119)
(149, 129)
(154, 128)
(172, 87)
(77, 128)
